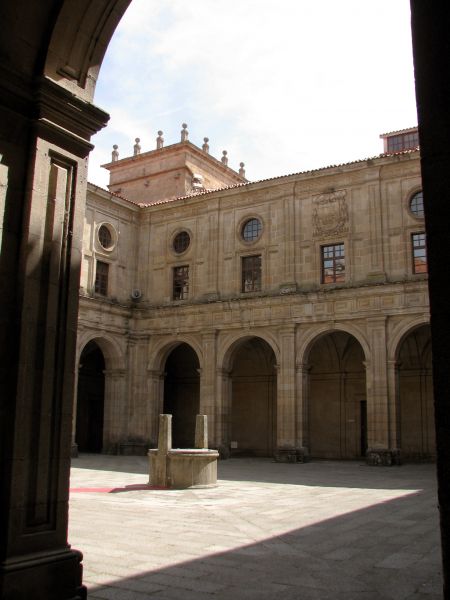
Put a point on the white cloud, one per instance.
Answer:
(282, 85)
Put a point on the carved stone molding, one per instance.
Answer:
(330, 214)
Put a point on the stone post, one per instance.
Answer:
(158, 458)
(201, 431)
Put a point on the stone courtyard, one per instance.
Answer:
(320, 530)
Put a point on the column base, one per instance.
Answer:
(43, 576)
(291, 455)
(133, 448)
(376, 457)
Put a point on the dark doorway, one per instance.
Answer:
(415, 390)
(253, 401)
(182, 394)
(90, 399)
(337, 416)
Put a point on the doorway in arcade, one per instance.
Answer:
(253, 399)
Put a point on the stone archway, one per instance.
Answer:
(415, 395)
(90, 399)
(337, 409)
(182, 394)
(253, 398)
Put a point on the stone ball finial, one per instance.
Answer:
(184, 133)
(159, 140)
(115, 153)
(137, 147)
(224, 158)
(205, 146)
(242, 170)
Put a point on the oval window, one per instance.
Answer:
(181, 242)
(251, 230)
(416, 204)
(105, 237)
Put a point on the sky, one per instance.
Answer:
(283, 85)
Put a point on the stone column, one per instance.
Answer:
(46, 154)
(286, 450)
(208, 403)
(302, 393)
(379, 451)
(223, 412)
(115, 415)
(155, 404)
(394, 406)
(138, 418)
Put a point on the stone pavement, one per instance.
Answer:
(338, 530)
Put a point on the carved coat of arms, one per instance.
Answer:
(330, 214)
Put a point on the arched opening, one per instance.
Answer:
(253, 399)
(415, 395)
(337, 397)
(182, 394)
(90, 399)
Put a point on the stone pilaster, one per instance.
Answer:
(379, 451)
(302, 428)
(286, 407)
(223, 412)
(48, 129)
(114, 409)
(208, 404)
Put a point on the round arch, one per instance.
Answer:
(229, 343)
(160, 350)
(110, 346)
(401, 331)
(336, 400)
(309, 338)
(414, 393)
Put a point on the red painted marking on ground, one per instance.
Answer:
(115, 490)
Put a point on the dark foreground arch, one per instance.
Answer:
(45, 128)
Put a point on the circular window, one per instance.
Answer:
(181, 242)
(416, 204)
(105, 237)
(251, 230)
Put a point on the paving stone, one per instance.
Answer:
(310, 532)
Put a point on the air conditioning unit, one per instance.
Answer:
(136, 294)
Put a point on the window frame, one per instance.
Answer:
(255, 271)
(243, 224)
(415, 250)
(337, 278)
(177, 236)
(410, 201)
(101, 282)
(180, 282)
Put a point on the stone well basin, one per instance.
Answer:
(186, 467)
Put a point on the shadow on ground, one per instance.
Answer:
(349, 557)
(351, 474)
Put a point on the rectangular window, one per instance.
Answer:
(181, 282)
(333, 264)
(419, 249)
(101, 278)
(251, 273)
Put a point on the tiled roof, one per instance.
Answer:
(249, 183)
(399, 131)
(98, 187)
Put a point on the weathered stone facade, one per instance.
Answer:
(311, 358)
